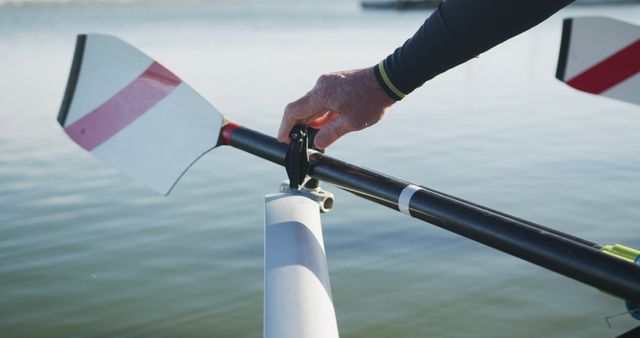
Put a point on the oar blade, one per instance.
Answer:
(134, 114)
(601, 56)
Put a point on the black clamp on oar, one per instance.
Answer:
(296, 162)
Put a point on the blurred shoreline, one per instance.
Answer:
(21, 3)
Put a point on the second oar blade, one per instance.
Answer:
(601, 56)
(134, 114)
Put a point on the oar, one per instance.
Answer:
(134, 114)
(601, 56)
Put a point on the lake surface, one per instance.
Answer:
(85, 251)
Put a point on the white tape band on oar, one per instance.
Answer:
(405, 198)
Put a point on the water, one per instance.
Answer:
(87, 252)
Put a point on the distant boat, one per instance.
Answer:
(399, 4)
(426, 4)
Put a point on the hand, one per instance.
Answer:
(339, 103)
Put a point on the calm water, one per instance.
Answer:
(87, 252)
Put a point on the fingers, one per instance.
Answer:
(300, 111)
(322, 120)
(332, 131)
(339, 103)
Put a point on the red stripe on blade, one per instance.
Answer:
(123, 108)
(610, 71)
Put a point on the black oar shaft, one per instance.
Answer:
(254, 143)
(563, 253)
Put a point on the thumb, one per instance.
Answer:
(331, 132)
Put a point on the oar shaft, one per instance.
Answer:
(563, 253)
(253, 142)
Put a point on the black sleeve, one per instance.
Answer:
(456, 32)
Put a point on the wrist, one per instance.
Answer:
(383, 79)
(377, 89)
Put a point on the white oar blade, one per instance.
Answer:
(601, 56)
(134, 114)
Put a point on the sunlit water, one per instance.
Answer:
(85, 251)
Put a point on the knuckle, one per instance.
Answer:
(293, 110)
(324, 78)
(289, 109)
(324, 82)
